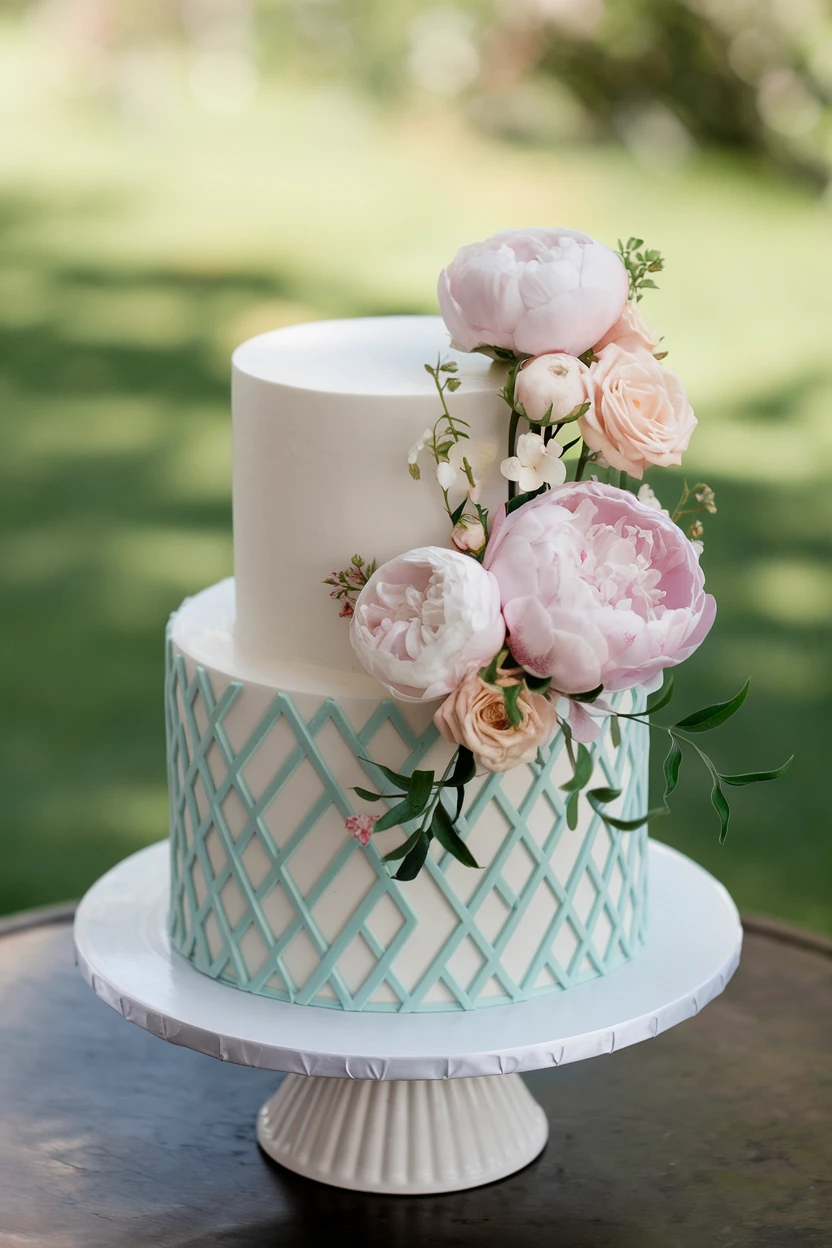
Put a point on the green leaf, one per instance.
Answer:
(575, 414)
(421, 787)
(572, 811)
(662, 700)
(464, 770)
(712, 716)
(622, 825)
(449, 838)
(672, 763)
(456, 514)
(590, 696)
(511, 693)
(757, 777)
(583, 772)
(395, 777)
(720, 805)
(398, 814)
(569, 445)
(404, 849)
(520, 499)
(370, 796)
(615, 732)
(537, 684)
(415, 860)
(489, 673)
(604, 795)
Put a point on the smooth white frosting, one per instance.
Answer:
(323, 417)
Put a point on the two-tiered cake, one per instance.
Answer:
(279, 886)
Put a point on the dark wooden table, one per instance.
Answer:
(716, 1134)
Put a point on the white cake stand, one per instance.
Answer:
(403, 1103)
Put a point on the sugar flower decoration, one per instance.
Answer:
(536, 463)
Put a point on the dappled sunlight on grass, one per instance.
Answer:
(134, 258)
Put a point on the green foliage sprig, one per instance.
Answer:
(704, 720)
(639, 264)
(420, 798)
(348, 583)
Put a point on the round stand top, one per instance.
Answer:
(693, 947)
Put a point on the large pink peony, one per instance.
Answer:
(533, 291)
(424, 620)
(597, 588)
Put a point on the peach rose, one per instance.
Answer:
(630, 332)
(474, 716)
(641, 415)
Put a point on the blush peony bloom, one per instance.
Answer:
(532, 291)
(474, 716)
(641, 414)
(555, 381)
(630, 332)
(424, 620)
(597, 589)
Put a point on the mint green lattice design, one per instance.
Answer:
(188, 747)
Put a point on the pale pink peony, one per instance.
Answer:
(641, 414)
(597, 589)
(360, 827)
(532, 291)
(424, 620)
(556, 381)
(630, 332)
(474, 716)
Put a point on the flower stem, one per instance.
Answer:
(584, 456)
(622, 480)
(512, 442)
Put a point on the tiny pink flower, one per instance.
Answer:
(360, 827)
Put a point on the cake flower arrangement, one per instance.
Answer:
(582, 585)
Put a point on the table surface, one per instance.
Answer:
(716, 1134)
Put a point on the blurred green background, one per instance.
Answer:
(178, 176)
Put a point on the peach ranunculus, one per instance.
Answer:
(641, 414)
(474, 716)
(630, 332)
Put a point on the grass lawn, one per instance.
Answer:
(135, 253)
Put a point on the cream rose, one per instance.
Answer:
(630, 332)
(641, 414)
(474, 716)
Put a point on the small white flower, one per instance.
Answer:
(536, 463)
(648, 499)
(446, 474)
(418, 446)
(699, 547)
(478, 456)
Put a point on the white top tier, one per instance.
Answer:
(323, 417)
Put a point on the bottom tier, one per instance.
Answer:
(271, 894)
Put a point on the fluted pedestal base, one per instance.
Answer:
(403, 1137)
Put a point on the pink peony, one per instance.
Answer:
(533, 291)
(424, 620)
(597, 588)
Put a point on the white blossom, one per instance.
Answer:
(648, 499)
(536, 463)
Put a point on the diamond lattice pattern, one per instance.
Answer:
(270, 894)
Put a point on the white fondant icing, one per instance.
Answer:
(323, 417)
